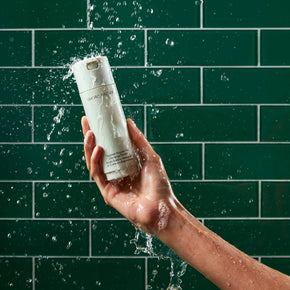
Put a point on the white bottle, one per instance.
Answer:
(105, 115)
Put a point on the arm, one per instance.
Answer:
(148, 202)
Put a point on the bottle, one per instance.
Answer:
(105, 116)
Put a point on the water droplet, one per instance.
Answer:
(169, 42)
(54, 238)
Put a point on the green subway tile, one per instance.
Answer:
(280, 264)
(206, 47)
(106, 274)
(16, 273)
(22, 237)
(52, 14)
(242, 85)
(71, 200)
(276, 199)
(158, 86)
(246, 13)
(255, 237)
(159, 276)
(15, 124)
(37, 86)
(63, 124)
(42, 162)
(15, 200)
(275, 46)
(60, 48)
(112, 238)
(182, 161)
(247, 161)
(275, 123)
(174, 13)
(218, 199)
(204, 123)
(15, 48)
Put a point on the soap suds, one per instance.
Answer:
(164, 212)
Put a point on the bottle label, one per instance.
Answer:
(107, 120)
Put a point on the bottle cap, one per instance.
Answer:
(92, 73)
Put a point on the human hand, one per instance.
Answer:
(145, 199)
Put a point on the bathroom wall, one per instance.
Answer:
(208, 82)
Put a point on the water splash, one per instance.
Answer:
(56, 120)
(147, 244)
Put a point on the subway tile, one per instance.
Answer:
(16, 273)
(134, 14)
(42, 162)
(15, 124)
(247, 161)
(181, 161)
(80, 273)
(247, 13)
(113, 238)
(58, 48)
(204, 123)
(37, 86)
(275, 46)
(15, 48)
(64, 238)
(158, 86)
(71, 200)
(255, 237)
(218, 199)
(280, 264)
(15, 200)
(275, 199)
(246, 85)
(275, 123)
(205, 47)
(160, 271)
(63, 124)
(48, 14)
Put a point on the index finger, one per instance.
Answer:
(85, 125)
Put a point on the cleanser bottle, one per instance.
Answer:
(105, 115)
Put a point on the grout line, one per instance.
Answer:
(88, 14)
(259, 199)
(259, 123)
(155, 105)
(201, 14)
(203, 162)
(117, 257)
(201, 85)
(172, 180)
(146, 273)
(33, 273)
(145, 48)
(159, 142)
(33, 47)
(32, 124)
(145, 121)
(148, 28)
(259, 48)
(229, 218)
(90, 239)
(160, 66)
(33, 200)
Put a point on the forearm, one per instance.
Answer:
(219, 261)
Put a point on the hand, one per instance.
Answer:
(145, 199)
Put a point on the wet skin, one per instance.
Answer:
(148, 202)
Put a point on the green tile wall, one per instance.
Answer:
(206, 81)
